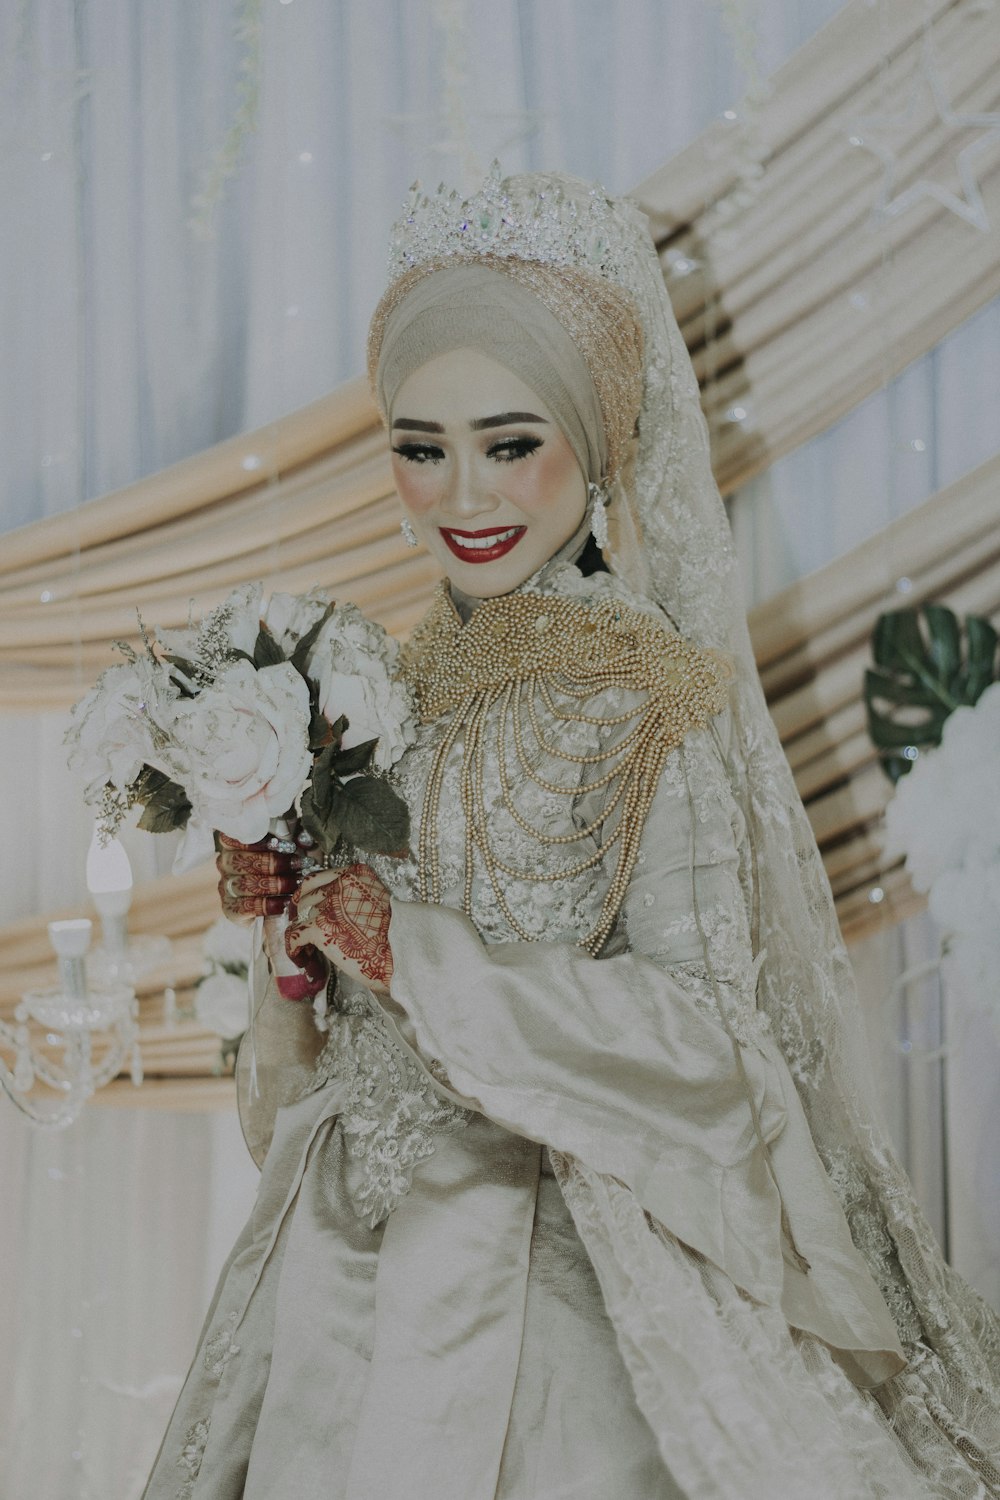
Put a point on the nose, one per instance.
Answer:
(467, 492)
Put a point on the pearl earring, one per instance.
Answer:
(409, 535)
(598, 515)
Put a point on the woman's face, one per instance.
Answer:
(486, 477)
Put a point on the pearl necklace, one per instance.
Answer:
(523, 649)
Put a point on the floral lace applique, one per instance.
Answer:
(869, 1231)
(191, 1456)
(748, 1025)
(220, 1348)
(392, 1113)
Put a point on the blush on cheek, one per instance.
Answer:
(416, 485)
(550, 474)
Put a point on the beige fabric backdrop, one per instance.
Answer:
(308, 499)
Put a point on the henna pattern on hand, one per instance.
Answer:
(255, 880)
(353, 914)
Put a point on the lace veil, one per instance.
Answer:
(670, 540)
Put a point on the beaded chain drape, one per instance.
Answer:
(522, 647)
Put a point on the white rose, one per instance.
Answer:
(232, 626)
(946, 812)
(920, 823)
(196, 847)
(227, 945)
(374, 710)
(221, 1004)
(291, 616)
(243, 748)
(120, 725)
(353, 664)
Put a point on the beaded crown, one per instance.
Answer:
(561, 238)
(533, 218)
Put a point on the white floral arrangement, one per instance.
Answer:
(945, 818)
(257, 713)
(221, 1001)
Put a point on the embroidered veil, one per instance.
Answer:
(670, 540)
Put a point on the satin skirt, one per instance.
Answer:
(459, 1350)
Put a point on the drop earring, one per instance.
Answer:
(598, 515)
(409, 535)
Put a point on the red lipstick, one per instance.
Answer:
(476, 546)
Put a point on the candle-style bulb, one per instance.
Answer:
(109, 881)
(71, 939)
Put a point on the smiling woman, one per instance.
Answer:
(492, 496)
(582, 1195)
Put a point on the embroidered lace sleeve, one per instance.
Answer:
(689, 900)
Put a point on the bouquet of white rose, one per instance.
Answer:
(251, 716)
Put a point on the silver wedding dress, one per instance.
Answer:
(514, 1236)
(549, 1226)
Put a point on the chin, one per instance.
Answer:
(488, 580)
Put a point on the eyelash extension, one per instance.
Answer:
(509, 450)
(419, 453)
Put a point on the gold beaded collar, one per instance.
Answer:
(526, 635)
(517, 655)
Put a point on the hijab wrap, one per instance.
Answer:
(573, 338)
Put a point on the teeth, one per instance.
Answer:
(477, 543)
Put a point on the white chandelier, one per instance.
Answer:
(75, 1037)
(72, 1016)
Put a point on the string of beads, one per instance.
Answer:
(522, 648)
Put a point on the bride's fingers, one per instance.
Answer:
(252, 884)
(254, 862)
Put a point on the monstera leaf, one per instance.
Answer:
(926, 666)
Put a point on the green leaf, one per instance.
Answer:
(981, 657)
(266, 651)
(926, 666)
(371, 814)
(944, 646)
(319, 821)
(166, 802)
(320, 732)
(182, 664)
(300, 655)
(149, 781)
(358, 758)
(316, 802)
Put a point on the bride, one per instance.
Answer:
(580, 1195)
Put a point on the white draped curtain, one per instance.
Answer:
(196, 203)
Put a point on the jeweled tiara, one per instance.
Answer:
(559, 220)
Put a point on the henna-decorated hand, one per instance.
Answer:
(346, 916)
(256, 880)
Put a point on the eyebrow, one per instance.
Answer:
(502, 419)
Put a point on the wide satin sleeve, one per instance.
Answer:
(625, 1062)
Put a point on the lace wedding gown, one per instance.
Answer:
(516, 1235)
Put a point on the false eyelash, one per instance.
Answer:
(508, 450)
(419, 453)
